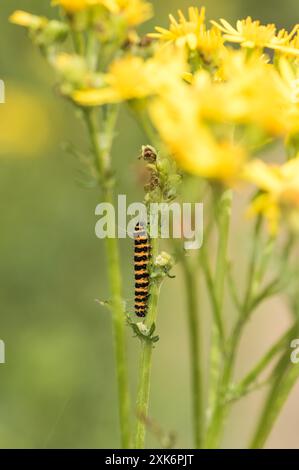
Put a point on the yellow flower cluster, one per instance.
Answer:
(191, 141)
(132, 77)
(191, 32)
(185, 31)
(213, 106)
(248, 33)
(212, 124)
(252, 34)
(250, 92)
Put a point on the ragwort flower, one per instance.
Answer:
(252, 34)
(132, 77)
(191, 32)
(184, 31)
(279, 186)
(191, 142)
(22, 18)
(134, 11)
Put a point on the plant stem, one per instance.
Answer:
(220, 408)
(114, 272)
(118, 319)
(285, 375)
(224, 214)
(253, 375)
(285, 378)
(77, 39)
(252, 269)
(146, 360)
(212, 295)
(217, 383)
(246, 308)
(195, 353)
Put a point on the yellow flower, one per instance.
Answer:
(248, 33)
(22, 18)
(23, 116)
(134, 11)
(251, 34)
(247, 92)
(188, 77)
(294, 43)
(111, 5)
(210, 42)
(289, 86)
(185, 31)
(126, 80)
(266, 205)
(72, 6)
(189, 139)
(287, 43)
(290, 76)
(280, 191)
(72, 68)
(135, 78)
(192, 32)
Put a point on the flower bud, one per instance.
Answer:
(72, 68)
(164, 166)
(55, 31)
(142, 328)
(149, 153)
(22, 18)
(164, 260)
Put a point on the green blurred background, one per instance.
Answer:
(57, 388)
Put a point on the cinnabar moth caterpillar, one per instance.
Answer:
(142, 254)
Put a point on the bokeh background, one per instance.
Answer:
(57, 388)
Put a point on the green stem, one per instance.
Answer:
(285, 378)
(143, 392)
(118, 319)
(253, 375)
(118, 314)
(142, 119)
(195, 353)
(212, 295)
(92, 45)
(246, 308)
(224, 212)
(220, 409)
(77, 38)
(218, 383)
(251, 284)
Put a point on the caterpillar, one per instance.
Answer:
(142, 254)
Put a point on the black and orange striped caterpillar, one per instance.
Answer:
(142, 255)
